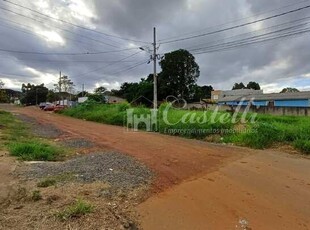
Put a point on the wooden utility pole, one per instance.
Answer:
(155, 71)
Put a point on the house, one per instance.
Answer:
(298, 99)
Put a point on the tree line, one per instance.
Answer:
(179, 76)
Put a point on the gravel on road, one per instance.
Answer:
(77, 143)
(41, 130)
(116, 169)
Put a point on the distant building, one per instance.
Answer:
(298, 99)
(114, 100)
(217, 95)
(82, 99)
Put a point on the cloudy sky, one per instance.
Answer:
(96, 42)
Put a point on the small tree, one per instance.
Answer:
(238, 86)
(202, 92)
(289, 90)
(100, 90)
(253, 85)
(4, 98)
(64, 85)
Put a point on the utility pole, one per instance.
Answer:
(36, 96)
(83, 87)
(60, 87)
(155, 71)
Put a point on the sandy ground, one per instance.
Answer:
(7, 166)
(268, 190)
(206, 186)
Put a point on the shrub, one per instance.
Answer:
(46, 183)
(303, 145)
(34, 150)
(36, 195)
(76, 210)
(262, 135)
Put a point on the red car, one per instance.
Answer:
(58, 108)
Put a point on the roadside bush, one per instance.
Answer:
(190, 124)
(102, 113)
(34, 150)
(47, 183)
(303, 145)
(76, 210)
(262, 135)
(36, 195)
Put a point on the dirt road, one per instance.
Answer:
(206, 186)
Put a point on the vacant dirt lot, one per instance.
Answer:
(205, 186)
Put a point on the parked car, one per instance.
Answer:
(49, 107)
(58, 108)
(44, 104)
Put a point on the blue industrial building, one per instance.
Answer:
(298, 99)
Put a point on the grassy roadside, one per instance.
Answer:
(16, 137)
(266, 131)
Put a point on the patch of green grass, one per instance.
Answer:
(35, 151)
(262, 135)
(76, 210)
(103, 113)
(16, 137)
(36, 195)
(53, 180)
(64, 177)
(46, 183)
(195, 124)
(303, 145)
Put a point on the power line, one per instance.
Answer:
(75, 25)
(97, 69)
(253, 32)
(237, 20)
(69, 61)
(253, 37)
(237, 26)
(64, 54)
(130, 68)
(255, 41)
(14, 75)
(68, 31)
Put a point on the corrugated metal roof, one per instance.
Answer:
(269, 97)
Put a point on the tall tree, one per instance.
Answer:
(100, 90)
(179, 74)
(4, 98)
(52, 96)
(64, 86)
(289, 90)
(253, 85)
(34, 94)
(202, 92)
(238, 86)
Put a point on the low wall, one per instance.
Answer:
(283, 111)
(280, 111)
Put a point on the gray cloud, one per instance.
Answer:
(272, 64)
